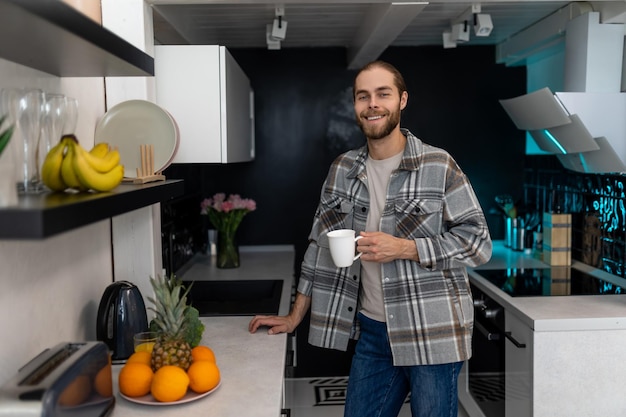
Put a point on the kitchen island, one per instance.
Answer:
(562, 352)
(252, 366)
(556, 313)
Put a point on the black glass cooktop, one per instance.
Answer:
(235, 298)
(555, 281)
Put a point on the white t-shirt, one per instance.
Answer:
(378, 174)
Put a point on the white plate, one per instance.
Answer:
(189, 397)
(132, 123)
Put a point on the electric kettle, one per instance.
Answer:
(121, 314)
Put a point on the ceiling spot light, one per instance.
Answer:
(279, 27)
(272, 43)
(482, 24)
(460, 32)
(448, 42)
(276, 31)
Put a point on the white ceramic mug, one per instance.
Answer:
(342, 244)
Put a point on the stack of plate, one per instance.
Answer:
(139, 122)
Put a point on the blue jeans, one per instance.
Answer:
(377, 388)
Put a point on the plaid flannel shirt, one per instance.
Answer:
(428, 304)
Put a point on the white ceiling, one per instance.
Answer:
(364, 27)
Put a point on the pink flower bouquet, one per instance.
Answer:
(226, 215)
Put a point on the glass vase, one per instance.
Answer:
(227, 250)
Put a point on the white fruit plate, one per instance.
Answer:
(189, 397)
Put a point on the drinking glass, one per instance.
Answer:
(144, 341)
(52, 122)
(10, 105)
(31, 107)
(9, 109)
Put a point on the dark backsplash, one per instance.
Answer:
(597, 204)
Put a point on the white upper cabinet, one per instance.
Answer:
(211, 99)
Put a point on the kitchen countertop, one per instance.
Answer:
(252, 366)
(257, 263)
(556, 313)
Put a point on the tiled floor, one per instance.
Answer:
(323, 397)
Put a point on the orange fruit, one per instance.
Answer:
(76, 392)
(140, 357)
(202, 353)
(103, 382)
(135, 379)
(203, 376)
(169, 383)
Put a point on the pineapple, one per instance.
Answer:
(170, 323)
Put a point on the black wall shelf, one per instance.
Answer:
(51, 36)
(43, 215)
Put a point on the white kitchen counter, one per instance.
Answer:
(554, 313)
(252, 366)
(572, 345)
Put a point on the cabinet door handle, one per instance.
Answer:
(515, 342)
(483, 330)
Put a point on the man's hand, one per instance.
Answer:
(283, 324)
(277, 324)
(382, 247)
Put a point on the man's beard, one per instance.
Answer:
(379, 132)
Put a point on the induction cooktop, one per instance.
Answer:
(555, 281)
(235, 298)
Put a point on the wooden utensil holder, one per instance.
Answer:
(557, 239)
(146, 172)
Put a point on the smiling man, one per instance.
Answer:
(407, 300)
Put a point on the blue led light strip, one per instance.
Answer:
(556, 142)
(583, 162)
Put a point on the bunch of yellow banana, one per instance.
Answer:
(69, 166)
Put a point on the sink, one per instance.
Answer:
(235, 298)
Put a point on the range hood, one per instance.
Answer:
(555, 130)
(602, 161)
(585, 126)
(569, 138)
(587, 131)
(603, 114)
(536, 110)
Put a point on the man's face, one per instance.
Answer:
(377, 103)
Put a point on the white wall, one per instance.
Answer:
(49, 292)
(50, 289)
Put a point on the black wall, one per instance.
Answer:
(304, 119)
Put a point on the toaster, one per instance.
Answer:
(69, 379)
